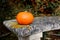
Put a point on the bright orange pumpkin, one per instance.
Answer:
(24, 18)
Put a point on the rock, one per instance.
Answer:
(40, 24)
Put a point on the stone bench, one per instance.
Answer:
(39, 25)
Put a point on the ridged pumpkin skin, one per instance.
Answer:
(24, 18)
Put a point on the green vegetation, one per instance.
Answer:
(9, 9)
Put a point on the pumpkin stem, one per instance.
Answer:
(25, 11)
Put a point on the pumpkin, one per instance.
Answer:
(24, 18)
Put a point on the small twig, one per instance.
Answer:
(4, 35)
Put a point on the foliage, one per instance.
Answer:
(9, 8)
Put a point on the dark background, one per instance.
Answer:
(9, 9)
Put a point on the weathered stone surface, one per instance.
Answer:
(37, 36)
(40, 24)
